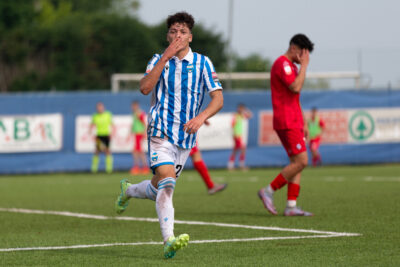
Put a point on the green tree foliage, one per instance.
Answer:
(252, 63)
(14, 13)
(79, 44)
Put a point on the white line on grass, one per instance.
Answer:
(160, 243)
(381, 179)
(102, 217)
(321, 234)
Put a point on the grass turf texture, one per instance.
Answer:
(355, 199)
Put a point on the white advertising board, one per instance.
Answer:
(218, 135)
(121, 139)
(31, 133)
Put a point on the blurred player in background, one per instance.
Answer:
(139, 132)
(240, 116)
(288, 122)
(201, 168)
(178, 80)
(102, 121)
(315, 127)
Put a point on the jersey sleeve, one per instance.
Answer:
(153, 61)
(211, 81)
(286, 73)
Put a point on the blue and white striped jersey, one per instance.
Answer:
(178, 96)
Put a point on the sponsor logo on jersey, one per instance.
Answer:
(287, 68)
(215, 77)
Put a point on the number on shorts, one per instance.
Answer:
(178, 170)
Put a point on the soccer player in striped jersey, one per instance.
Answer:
(178, 79)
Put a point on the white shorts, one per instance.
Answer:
(162, 152)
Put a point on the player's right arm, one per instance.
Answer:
(92, 125)
(304, 59)
(233, 121)
(149, 81)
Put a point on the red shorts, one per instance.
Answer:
(314, 143)
(194, 149)
(238, 142)
(138, 142)
(293, 141)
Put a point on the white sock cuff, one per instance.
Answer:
(269, 190)
(291, 203)
(166, 183)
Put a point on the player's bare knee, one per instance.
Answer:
(301, 163)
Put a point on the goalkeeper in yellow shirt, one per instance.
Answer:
(102, 120)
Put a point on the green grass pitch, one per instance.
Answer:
(345, 199)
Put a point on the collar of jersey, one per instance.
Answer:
(188, 57)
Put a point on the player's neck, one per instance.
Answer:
(181, 54)
(288, 56)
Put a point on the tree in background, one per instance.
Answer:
(78, 44)
(252, 63)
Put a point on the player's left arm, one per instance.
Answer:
(322, 125)
(304, 123)
(216, 103)
(113, 127)
(142, 118)
(247, 113)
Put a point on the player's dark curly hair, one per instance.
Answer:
(181, 17)
(302, 42)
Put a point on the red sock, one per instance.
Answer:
(201, 167)
(278, 182)
(314, 161)
(242, 156)
(293, 191)
(232, 157)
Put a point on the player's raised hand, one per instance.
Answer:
(174, 47)
(304, 57)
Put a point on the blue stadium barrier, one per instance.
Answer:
(71, 105)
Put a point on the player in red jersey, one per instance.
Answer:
(242, 114)
(315, 128)
(288, 122)
(201, 168)
(138, 131)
